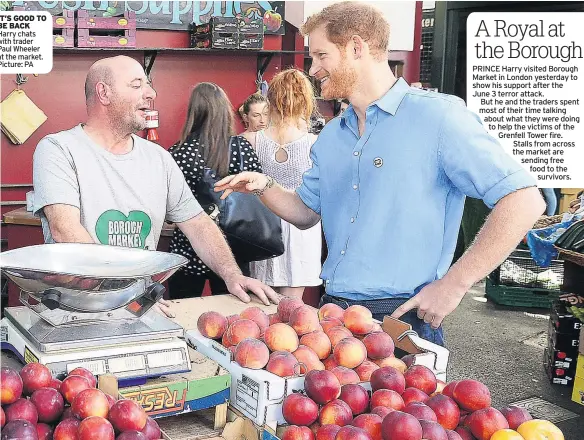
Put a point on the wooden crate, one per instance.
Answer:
(94, 38)
(87, 21)
(64, 37)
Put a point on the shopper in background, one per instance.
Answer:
(100, 183)
(389, 180)
(205, 143)
(254, 113)
(284, 153)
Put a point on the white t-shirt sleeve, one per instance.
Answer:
(54, 177)
(181, 205)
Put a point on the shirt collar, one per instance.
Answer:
(388, 102)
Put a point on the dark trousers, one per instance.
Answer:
(183, 285)
(383, 307)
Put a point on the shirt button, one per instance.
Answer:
(352, 219)
(343, 252)
(355, 187)
(356, 153)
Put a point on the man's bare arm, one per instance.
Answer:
(284, 203)
(65, 224)
(507, 224)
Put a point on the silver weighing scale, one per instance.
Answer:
(90, 305)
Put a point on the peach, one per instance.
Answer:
(327, 432)
(365, 370)
(35, 376)
(370, 423)
(449, 388)
(409, 359)
(274, 318)
(421, 411)
(90, 402)
(471, 395)
(356, 397)
(212, 325)
(304, 320)
(382, 411)
(394, 362)
(127, 415)
(335, 412)
(242, 329)
(95, 428)
(49, 404)
(464, 433)
(453, 435)
(297, 433)
(330, 363)
(225, 341)
(515, 416)
(131, 435)
(414, 395)
(258, 316)
(421, 377)
(73, 385)
(22, 409)
(44, 431)
(10, 385)
(286, 306)
(110, 400)
(345, 375)
(300, 410)
(388, 378)
(358, 320)
(540, 429)
(433, 431)
(80, 371)
(55, 383)
(446, 410)
(19, 430)
(350, 352)
(379, 345)
(329, 323)
(483, 423)
(67, 429)
(440, 385)
(322, 386)
(232, 318)
(350, 432)
(151, 429)
(506, 434)
(337, 334)
(252, 353)
(283, 364)
(319, 342)
(401, 426)
(308, 359)
(387, 398)
(281, 337)
(314, 428)
(376, 328)
(331, 310)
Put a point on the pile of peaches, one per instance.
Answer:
(37, 406)
(338, 349)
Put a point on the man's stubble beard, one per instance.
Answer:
(124, 119)
(341, 82)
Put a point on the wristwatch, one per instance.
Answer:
(260, 192)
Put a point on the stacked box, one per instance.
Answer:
(228, 33)
(578, 391)
(563, 341)
(63, 27)
(96, 31)
(64, 37)
(125, 21)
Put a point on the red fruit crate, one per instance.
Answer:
(64, 37)
(91, 38)
(87, 21)
(65, 20)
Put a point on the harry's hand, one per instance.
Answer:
(245, 182)
(238, 285)
(434, 302)
(163, 307)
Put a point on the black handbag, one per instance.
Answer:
(253, 231)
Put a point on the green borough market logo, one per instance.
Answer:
(116, 229)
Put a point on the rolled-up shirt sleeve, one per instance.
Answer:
(309, 190)
(474, 161)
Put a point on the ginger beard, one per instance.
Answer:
(340, 82)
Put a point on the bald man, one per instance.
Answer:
(100, 183)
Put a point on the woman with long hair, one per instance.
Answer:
(254, 113)
(284, 153)
(204, 143)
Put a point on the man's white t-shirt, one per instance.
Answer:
(123, 199)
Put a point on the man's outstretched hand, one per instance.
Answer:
(434, 302)
(245, 182)
(238, 285)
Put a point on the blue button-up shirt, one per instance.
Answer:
(391, 200)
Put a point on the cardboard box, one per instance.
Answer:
(85, 20)
(251, 41)
(564, 321)
(64, 37)
(205, 386)
(580, 366)
(561, 358)
(91, 38)
(251, 26)
(562, 341)
(581, 341)
(258, 394)
(578, 390)
(215, 41)
(216, 24)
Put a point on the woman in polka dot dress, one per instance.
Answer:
(204, 143)
(284, 153)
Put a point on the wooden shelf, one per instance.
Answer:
(177, 49)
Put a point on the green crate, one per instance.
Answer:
(520, 296)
